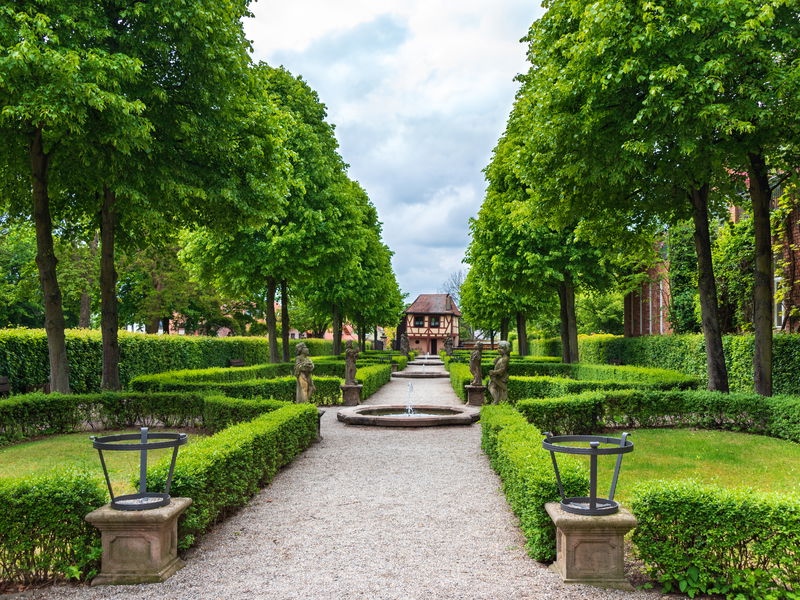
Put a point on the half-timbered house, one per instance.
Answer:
(429, 321)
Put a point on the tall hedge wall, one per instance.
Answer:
(686, 353)
(23, 355)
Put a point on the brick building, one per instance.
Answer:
(647, 307)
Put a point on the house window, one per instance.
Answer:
(419, 321)
(779, 310)
(434, 321)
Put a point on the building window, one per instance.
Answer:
(416, 341)
(434, 321)
(419, 321)
(779, 310)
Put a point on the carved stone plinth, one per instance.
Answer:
(394, 367)
(138, 546)
(591, 550)
(475, 394)
(351, 394)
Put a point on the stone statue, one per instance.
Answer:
(498, 376)
(404, 344)
(475, 364)
(303, 366)
(350, 356)
(448, 346)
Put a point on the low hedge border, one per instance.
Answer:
(751, 551)
(222, 472)
(43, 534)
(515, 451)
(373, 378)
(776, 416)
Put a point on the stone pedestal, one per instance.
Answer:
(351, 394)
(394, 367)
(475, 394)
(591, 550)
(138, 546)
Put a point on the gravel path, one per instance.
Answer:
(369, 513)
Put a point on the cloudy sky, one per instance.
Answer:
(419, 91)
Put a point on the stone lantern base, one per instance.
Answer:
(591, 550)
(351, 394)
(475, 394)
(138, 546)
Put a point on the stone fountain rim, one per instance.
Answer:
(462, 415)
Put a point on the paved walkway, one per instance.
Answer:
(370, 513)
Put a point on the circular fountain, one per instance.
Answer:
(409, 415)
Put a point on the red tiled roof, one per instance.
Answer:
(436, 304)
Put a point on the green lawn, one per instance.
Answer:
(720, 457)
(75, 450)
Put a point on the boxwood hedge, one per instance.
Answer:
(515, 450)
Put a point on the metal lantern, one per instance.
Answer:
(591, 505)
(145, 441)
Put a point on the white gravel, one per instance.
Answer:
(372, 513)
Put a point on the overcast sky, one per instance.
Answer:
(419, 91)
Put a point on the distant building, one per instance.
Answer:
(647, 307)
(429, 321)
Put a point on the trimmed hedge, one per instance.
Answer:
(738, 543)
(373, 378)
(460, 375)
(222, 472)
(777, 416)
(515, 450)
(43, 534)
(30, 415)
(686, 353)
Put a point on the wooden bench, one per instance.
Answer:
(5, 386)
(236, 362)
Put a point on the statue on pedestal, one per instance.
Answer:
(303, 366)
(448, 346)
(498, 376)
(350, 356)
(475, 364)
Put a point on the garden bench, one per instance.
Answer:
(236, 362)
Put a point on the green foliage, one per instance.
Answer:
(600, 312)
(373, 378)
(685, 353)
(589, 412)
(682, 278)
(222, 472)
(514, 448)
(43, 534)
(220, 412)
(460, 376)
(734, 263)
(750, 551)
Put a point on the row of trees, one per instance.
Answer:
(636, 115)
(136, 121)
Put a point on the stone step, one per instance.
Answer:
(421, 375)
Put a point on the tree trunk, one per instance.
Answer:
(109, 317)
(522, 334)
(763, 298)
(709, 308)
(285, 320)
(272, 330)
(165, 325)
(84, 320)
(504, 329)
(337, 331)
(46, 263)
(566, 340)
(362, 338)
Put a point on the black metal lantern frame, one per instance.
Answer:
(143, 500)
(588, 505)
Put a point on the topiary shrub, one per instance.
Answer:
(222, 472)
(373, 378)
(43, 534)
(704, 539)
(515, 450)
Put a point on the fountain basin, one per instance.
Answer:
(421, 375)
(394, 415)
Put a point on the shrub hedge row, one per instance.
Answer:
(373, 378)
(23, 355)
(738, 543)
(515, 450)
(43, 534)
(777, 416)
(222, 472)
(686, 353)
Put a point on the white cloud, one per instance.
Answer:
(419, 92)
